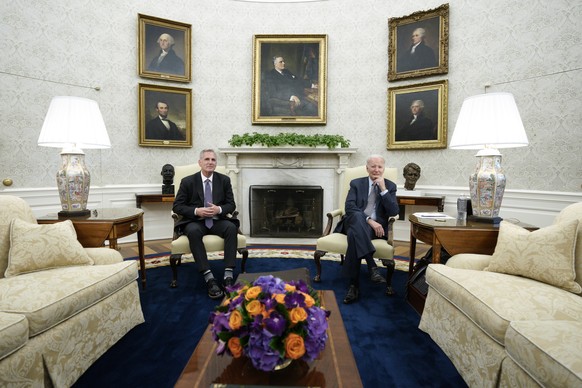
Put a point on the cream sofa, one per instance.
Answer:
(513, 319)
(61, 305)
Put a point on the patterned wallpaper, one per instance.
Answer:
(60, 47)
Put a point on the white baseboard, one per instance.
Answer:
(533, 207)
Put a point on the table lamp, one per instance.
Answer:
(72, 123)
(488, 122)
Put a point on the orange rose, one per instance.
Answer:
(294, 346)
(235, 320)
(289, 288)
(234, 347)
(309, 301)
(253, 293)
(280, 298)
(297, 314)
(254, 307)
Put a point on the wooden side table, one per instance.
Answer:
(107, 224)
(455, 237)
(403, 200)
(153, 198)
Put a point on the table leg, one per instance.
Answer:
(436, 250)
(412, 253)
(140, 247)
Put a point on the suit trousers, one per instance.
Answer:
(223, 228)
(359, 235)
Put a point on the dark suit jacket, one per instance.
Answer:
(170, 64)
(357, 199)
(422, 58)
(191, 196)
(156, 130)
(422, 129)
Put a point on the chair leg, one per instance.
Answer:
(390, 265)
(175, 261)
(317, 257)
(245, 255)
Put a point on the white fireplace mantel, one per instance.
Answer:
(247, 166)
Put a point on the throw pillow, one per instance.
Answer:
(545, 255)
(36, 247)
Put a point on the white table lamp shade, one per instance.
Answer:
(74, 121)
(489, 120)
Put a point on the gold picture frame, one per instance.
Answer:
(428, 33)
(164, 49)
(155, 101)
(427, 129)
(297, 93)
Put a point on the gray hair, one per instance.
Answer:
(169, 37)
(207, 150)
(419, 102)
(374, 156)
(421, 31)
(275, 58)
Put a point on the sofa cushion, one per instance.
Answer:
(574, 212)
(49, 297)
(10, 207)
(13, 333)
(36, 247)
(492, 299)
(546, 255)
(549, 351)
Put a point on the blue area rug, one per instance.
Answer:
(389, 349)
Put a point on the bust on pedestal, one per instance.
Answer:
(168, 180)
(411, 173)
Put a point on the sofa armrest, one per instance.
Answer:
(102, 256)
(469, 261)
(330, 216)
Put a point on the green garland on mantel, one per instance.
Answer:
(292, 139)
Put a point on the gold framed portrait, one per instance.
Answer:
(418, 44)
(417, 116)
(164, 49)
(289, 79)
(165, 116)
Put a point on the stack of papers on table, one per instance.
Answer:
(434, 215)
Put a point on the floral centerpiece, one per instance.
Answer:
(270, 321)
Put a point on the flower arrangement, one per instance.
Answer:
(270, 321)
(282, 139)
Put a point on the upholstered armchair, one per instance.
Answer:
(181, 245)
(337, 242)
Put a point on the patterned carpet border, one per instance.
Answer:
(160, 260)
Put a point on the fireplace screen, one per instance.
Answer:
(286, 211)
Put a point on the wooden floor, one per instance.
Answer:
(162, 246)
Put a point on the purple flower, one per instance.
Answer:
(294, 300)
(270, 284)
(275, 324)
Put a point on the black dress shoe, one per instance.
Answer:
(228, 282)
(376, 277)
(214, 292)
(352, 295)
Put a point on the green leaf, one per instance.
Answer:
(282, 139)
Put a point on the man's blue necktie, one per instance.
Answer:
(207, 201)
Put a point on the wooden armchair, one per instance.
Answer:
(337, 242)
(212, 243)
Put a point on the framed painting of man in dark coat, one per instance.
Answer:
(165, 116)
(164, 49)
(289, 79)
(419, 44)
(417, 116)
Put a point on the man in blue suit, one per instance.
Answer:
(203, 207)
(370, 203)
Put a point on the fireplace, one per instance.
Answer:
(285, 211)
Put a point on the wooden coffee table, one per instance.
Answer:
(335, 367)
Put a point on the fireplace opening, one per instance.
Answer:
(286, 211)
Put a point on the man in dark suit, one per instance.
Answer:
(203, 201)
(284, 92)
(418, 126)
(167, 61)
(370, 202)
(418, 56)
(161, 128)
